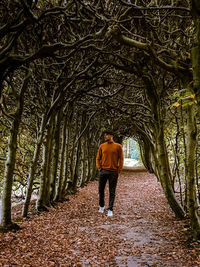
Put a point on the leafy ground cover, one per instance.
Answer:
(142, 232)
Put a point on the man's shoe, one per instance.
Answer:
(101, 209)
(110, 213)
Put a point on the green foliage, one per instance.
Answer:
(183, 98)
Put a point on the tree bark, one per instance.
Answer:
(44, 192)
(165, 177)
(67, 153)
(191, 134)
(84, 159)
(73, 160)
(61, 174)
(33, 168)
(6, 221)
(55, 156)
(195, 53)
(161, 156)
(44, 196)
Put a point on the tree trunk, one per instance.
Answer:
(6, 222)
(93, 147)
(44, 192)
(196, 48)
(33, 168)
(76, 168)
(73, 159)
(165, 177)
(61, 174)
(162, 157)
(191, 162)
(44, 198)
(40, 201)
(185, 163)
(66, 171)
(76, 177)
(84, 160)
(55, 156)
(146, 155)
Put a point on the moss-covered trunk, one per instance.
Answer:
(196, 48)
(6, 221)
(160, 153)
(191, 141)
(164, 175)
(191, 132)
(8, 177)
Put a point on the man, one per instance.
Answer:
(109, 161)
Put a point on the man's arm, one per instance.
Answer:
(121, 159)
(98, 158)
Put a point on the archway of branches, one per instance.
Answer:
(70, 69)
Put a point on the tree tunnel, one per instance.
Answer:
(69, 69)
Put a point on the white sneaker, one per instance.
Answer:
(110, 213)
(101, 209)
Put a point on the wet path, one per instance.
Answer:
(142, 232)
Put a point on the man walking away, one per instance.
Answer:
(109, 161)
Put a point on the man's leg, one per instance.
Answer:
(102, 184)
(112, 188)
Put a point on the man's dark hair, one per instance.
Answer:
(108, 131)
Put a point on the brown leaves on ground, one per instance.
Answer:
(142, 232)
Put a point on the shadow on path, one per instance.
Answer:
(142, 232)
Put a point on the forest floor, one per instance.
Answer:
(142, 232)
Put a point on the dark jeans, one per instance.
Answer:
(112, 178)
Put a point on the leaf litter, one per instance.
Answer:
(142, 232)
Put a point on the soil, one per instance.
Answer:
(142, 232)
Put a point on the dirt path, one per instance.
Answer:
(142, 232)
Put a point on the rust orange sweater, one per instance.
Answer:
(110, 157)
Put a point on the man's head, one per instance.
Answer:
(108, 135)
